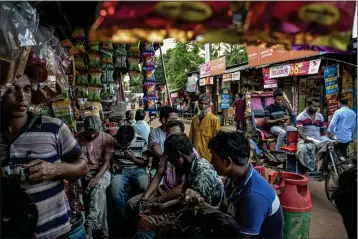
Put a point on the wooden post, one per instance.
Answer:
(165, 74)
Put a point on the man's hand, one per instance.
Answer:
(94, 181)
(41, 171)
(192, 197)
(129, 154)
(149, 200)
(114, 167)
(307, 140)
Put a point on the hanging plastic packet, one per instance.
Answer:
(94, 59)
(148, 60)
(107, 48)
(148, 47)
(150, 104)
(107, 74)
(94, 94)
(134, 78)
(79, 33)
(133, 63)
(120, 57)
(104, 92)
(134, 50)
(93, 46)
(80, 46)
(62, 110)
(82, 79)
(111, 89)
(95, 78)
(149, 89)
(148, 75)
(79, 63)
(81, 92)
(107, 58)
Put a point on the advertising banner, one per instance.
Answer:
(330, 75)
(205, 69)
(217, 66)
(295, 69)
(268, 83)
(332, 105)
(225, 101)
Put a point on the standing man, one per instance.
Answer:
(36, 153)
(157, 136)
(141, 126)
(204, 126)
(343, 125)
(240, 106)
(98, 147)
(130, 118)
(277, 117)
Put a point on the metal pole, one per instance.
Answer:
(165, 74)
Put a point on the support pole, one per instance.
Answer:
(165, 75)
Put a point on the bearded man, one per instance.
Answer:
(204, 127)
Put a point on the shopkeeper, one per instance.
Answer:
(40, 145)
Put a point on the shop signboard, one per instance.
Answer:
(295, 69)
(332, 105)
(218, 66)
(330, 75)
(225, 101)
(347, 81)
(260, 55)
(205, 70)
(268, 83)
(206, 81)
(236, 76)
(227, 77)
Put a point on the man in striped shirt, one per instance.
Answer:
(129, 175)
(33, 150)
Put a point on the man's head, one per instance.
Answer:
(92, 126)
(167, 113)
(129, 115)
(278, 97)
(175, 126)
(229, 150)
(139, 115)
(342, 102)
(313, 105)
(178, 149)
(204, 104)
(17, 98)
(125, 136)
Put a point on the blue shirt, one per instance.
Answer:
(343, 124)
(142, 129)
(256, 207)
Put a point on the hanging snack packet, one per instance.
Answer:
(133, 63)
(82, 79)
(134, 50)
(150, 104)
(62, 110)
(107, 58)
(107, 48)
(120, 57)
(148, 47)
(93, 46)
(148, 60)
(133, 78)
(108, 75)
(95, 78)
(148, 75)
(79, 33)
(79, 63)
(81, 92)
(94, 59)
(104, 92)
(111, 90)
(80, 46)
(94, 94)
(149, 89)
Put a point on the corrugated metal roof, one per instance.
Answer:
(237, 68)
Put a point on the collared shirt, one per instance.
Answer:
(202, 132)
(343, 124)
(310, 128)
(157, 136)
(143, 129)
(48, 139)
(138, 146)
(95, 149)
(255, 206)
(203, 179)
(276, 112)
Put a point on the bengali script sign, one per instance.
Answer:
(330, 75)
(205, 69)
(217, 66)
(295, 69)
(268, 83)
(225, 101)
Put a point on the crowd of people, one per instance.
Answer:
(158, 183)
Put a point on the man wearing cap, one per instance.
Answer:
(98, 147)
(204, 126)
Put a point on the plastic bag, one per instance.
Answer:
(79, 33)
(93, 46)
(149, 89)
(150, 104)
(62, 110)
(82, 79)
(148, 60)
(134, 50)
(95, 78)
(134, 78)
(94, 94)
(107, 48)
(133, 63)
(79, 63)
(80, 46)
(81, 92)
(94, 59)
(148, 47)
(107, 58)
(108, 75)
(148, 75)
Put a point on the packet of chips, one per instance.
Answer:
(150, 104)
(134, 50)
(107, 48)
(107, 58)
(134, 78)
(108, 75)
(79, 63)
(81, 92)
(148, 60)
(95, 78)
(149, 89)
(148, 74)
(79, 33)
(148, 47)
(93, 46)
(133, 63)
(82, 79)
(94, 59)
(62, 110)
(80, 46)
(94, 94)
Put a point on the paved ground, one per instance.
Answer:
(325, 220)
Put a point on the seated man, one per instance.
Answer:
(276, 117)
(199, 175)
(309, 125)
(252, 200)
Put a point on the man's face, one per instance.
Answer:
(91, 135)
(18, 97)
(204, 105)
(314, 107)
(278, 100)
(173, 130)
(172, 116)
(218, 164)
(130, 116)
(175, 159)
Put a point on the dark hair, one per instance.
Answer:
(343, 101)
(125, 134)
(241, 95)
(166, 110)
(277, 93)
(312, 99)
(177, 123)
(179, 142)
(128, 112)
(207, 223)
(231, 144)
(139, 115)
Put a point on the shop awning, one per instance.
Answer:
(237, 68)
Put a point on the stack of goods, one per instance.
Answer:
(135, 78)
(148, 60)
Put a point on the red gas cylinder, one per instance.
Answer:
(292, 190)
(260, 169)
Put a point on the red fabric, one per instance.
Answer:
(289, 149)
(240, 106)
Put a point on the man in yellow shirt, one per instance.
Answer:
(204, 127)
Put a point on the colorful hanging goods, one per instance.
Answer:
(93, 46)
(79, 33)
(150, 104)
(94, 94)
(134, 79)
(94, 59)
(134, 50)
(62, 110)
(120, 57)
(80, 46)
(133, 63)
(95, 78)
(82, 79)
(79, 63)
(149, 89)
(148, 75)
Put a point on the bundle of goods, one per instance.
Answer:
(148, 61)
